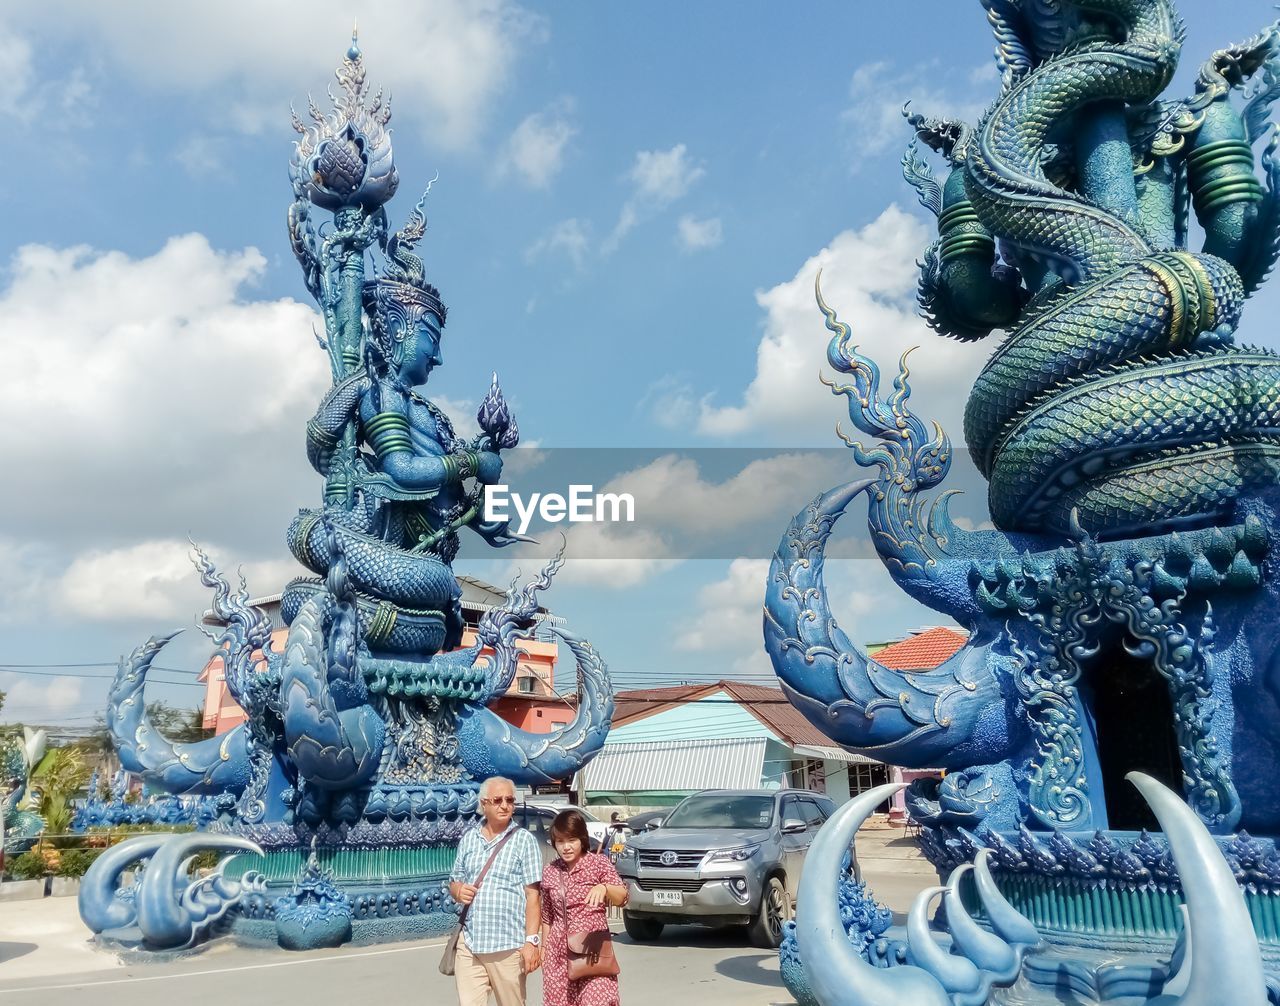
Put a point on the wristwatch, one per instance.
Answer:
(535, 939)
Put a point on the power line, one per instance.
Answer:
(8, 665)
(97, 677)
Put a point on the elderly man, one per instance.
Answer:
(500, 940)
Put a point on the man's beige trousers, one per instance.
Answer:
(479, 974)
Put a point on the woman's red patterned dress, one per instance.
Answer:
(564, 893)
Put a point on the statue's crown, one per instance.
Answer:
(403, 284)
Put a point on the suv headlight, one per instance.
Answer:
(627, 854)
(738, 855)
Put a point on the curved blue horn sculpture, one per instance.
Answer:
(1217, 915)
(1006, 921)
(958, 975)
(987, 950)
(100, 906)
(837, 973)
(216, 765)
(492, 746)
(171, 914)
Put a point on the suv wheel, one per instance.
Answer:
(640, 929)
(766, 930)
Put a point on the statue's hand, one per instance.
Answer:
(488, 467)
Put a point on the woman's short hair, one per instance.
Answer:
(571, 824)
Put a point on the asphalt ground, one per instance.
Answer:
(46, 959)
(689, 965)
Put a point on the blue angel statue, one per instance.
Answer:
(367, 736)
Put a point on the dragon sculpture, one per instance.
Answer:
(368, 733)
(1120, 614)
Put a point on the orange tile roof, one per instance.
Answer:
(923, 651)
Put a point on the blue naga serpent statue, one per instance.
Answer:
(1121, 614)
(368, 734)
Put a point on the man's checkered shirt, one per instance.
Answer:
(496, 920)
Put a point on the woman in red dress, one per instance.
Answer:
(576, 888)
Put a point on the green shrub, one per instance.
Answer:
(29, 866)
(75, 863)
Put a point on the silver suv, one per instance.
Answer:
(722, 858)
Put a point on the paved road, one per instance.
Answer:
(690, 965)
(45, 960)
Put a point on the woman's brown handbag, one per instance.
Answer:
(591, 955)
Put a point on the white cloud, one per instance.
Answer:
(17, 75)
(663, 176)
(100, 330)
(680, 514)
(728, 610)
(570, 237)
(874, 121)
(985, 74)
(672, 494)
(42, 698)
(462, 413)
(726, 620)
(27, 97)
(23, 579)
(151, 398)
(671, 402)
(446, 59)
(201, 156)
(869, 277)
(535, 151)
(148, 581)
(695, 235)
(155, 581)
(658, 178)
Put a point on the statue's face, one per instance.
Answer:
(421, 351)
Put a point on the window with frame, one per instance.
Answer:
(861, 779)
(811, 814)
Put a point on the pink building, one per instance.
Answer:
(530, 704)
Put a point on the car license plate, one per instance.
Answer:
(668, 898)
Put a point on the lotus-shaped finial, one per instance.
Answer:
(344, 159)
(495, 419)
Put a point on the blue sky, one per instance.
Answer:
(632, 203)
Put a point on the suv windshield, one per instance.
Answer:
(723, 810)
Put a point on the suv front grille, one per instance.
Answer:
(686, 859)
(689, 886)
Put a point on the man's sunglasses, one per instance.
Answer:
(509, 801)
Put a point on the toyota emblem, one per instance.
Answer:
(668, 858)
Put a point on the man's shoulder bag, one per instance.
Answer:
(451, 948)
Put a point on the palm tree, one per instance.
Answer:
(55, 781)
